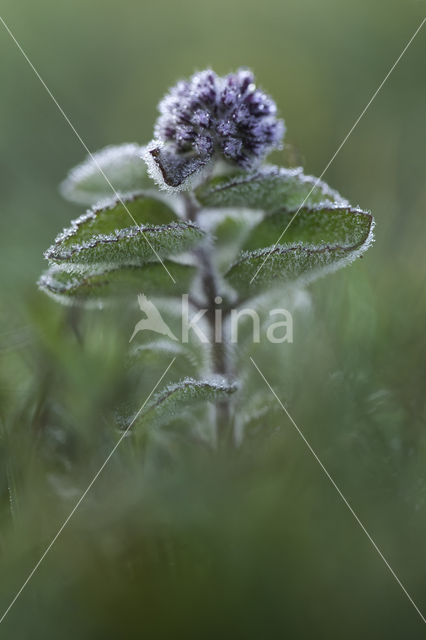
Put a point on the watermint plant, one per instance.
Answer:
(198, 214)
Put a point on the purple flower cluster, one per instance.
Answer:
(208, 114)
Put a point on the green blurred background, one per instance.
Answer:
(176, 542)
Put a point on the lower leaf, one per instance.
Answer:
(175, 398)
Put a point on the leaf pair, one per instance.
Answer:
(123, 245)
(120, 247)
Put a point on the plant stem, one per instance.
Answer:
(219, 350)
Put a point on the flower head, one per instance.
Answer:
(209, 116)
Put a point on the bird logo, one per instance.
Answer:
(153, 320)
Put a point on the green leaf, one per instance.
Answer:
(268, 189)
(137, 230)
(331, 239)
(175, 398)
(345, 226)
(99, 285)
(122, 165)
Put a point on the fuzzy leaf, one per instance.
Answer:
(175, 398)
(331, 239)
(98, 285)
(122, 165)
(345, 226)
(109, 235)
(268, 189)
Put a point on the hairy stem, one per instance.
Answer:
(219, 350)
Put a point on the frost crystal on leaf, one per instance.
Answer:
(208, 116)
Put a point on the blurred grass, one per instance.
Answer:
(174, 542)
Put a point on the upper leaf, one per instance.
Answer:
(336, 225)
(122, 165)
(129, 232)
(322, 240)
(268, 189)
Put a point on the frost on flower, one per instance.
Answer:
(209, 117)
